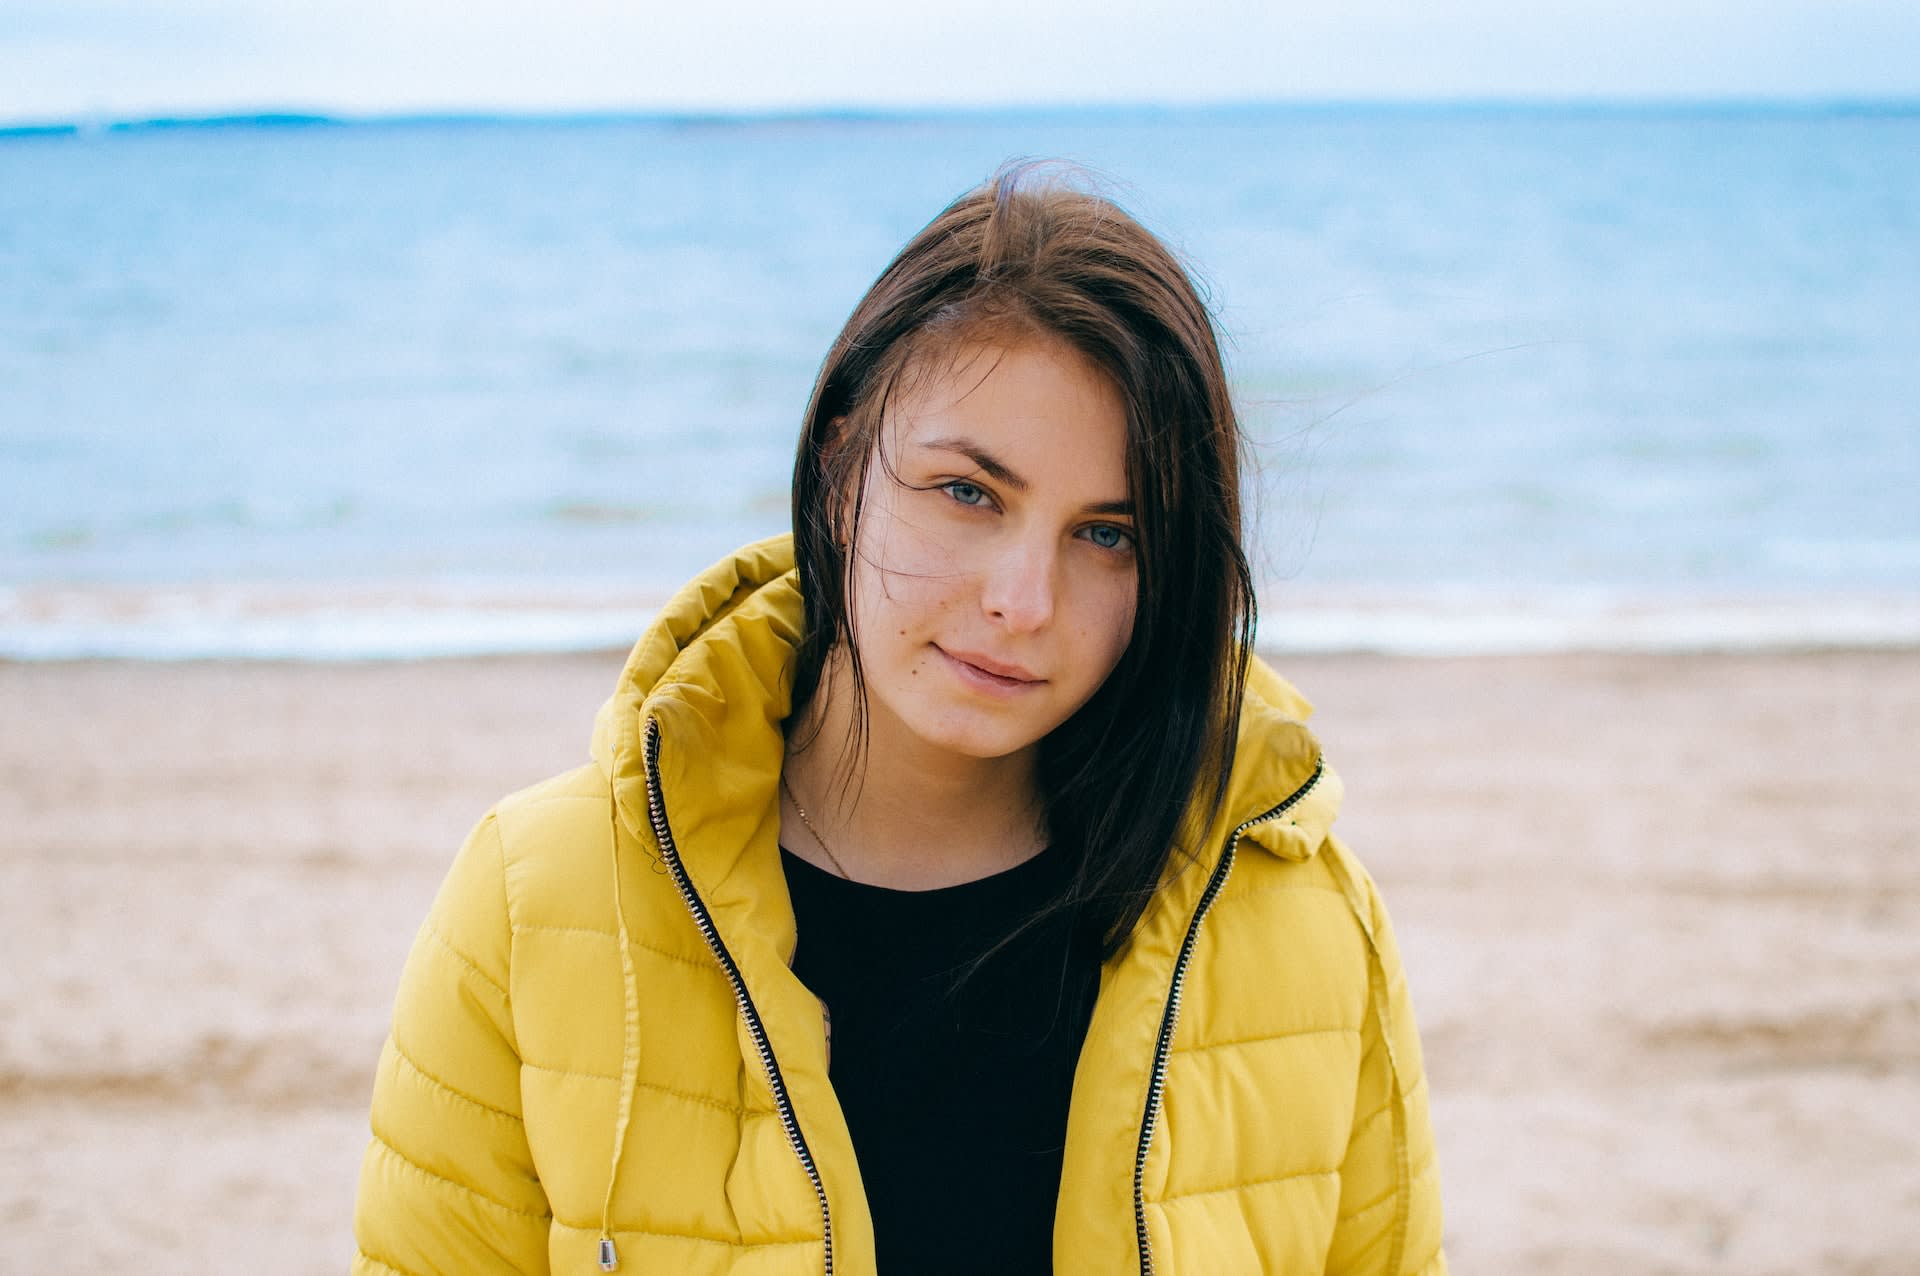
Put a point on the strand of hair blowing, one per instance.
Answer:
(1143, 765)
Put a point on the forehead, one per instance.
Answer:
(1036, 398)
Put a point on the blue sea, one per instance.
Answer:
(1515, 378)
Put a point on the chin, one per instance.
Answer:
(982, 747)
(980, 740)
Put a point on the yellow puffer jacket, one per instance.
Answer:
(599, 1053)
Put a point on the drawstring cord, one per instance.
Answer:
(1377, 980)
(630, 1049)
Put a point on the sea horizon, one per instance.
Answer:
(1516, 377)
(299, 117)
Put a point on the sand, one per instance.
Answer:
(1661, 916)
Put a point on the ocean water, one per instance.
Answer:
(1515, 379)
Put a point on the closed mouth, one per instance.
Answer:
(1011, 675)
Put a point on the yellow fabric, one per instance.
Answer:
(569, 1061)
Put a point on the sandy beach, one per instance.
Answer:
(1661, 916)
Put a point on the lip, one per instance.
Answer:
(988, 671)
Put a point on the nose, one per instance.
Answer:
(1019, 588)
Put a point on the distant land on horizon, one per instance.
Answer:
(303, 119)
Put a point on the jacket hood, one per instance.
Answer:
(1277, 759)
(713, 670)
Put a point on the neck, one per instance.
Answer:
(902, 813)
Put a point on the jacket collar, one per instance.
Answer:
(714, 671)
(711, 677)
(1275, 759)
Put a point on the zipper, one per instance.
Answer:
(657, 815)
(1171, 1014)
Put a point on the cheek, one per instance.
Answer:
(902, 568)
(895, 593)
(1108, 624)
(1122, 634)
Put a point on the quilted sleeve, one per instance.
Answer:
(448, 1184)
(1389, 1222)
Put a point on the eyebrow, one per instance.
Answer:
(1000, 471)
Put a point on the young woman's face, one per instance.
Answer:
(994, 574)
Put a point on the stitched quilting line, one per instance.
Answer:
(1425, 1168)
(383, 1265)
(462, 958)
(721, 1105)
(689, 1236)
(1272, 1036)
(703, 962)
(1249, 1185)
(1279, 888)
(456, 1185)
(455, 1091)
(1366, 1122)
(1387, 1107)
(570, 1072)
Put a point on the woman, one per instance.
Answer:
(950, 889)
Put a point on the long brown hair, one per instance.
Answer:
(1035, 252)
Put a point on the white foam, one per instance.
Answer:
(1446, 623)
(275, 623)
(408, 622)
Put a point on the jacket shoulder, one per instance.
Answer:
(556, 850)
(1288, 928)
(584, 783)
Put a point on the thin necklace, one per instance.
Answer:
(819, 841)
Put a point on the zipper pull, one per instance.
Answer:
(609, 1261)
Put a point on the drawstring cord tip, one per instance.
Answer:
(609, 1261)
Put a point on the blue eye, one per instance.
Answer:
(1107, 536)
(966, 493)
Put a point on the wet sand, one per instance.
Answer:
(1661, 916)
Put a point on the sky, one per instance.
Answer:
(92, 59)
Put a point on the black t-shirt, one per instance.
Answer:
(957, 1100)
